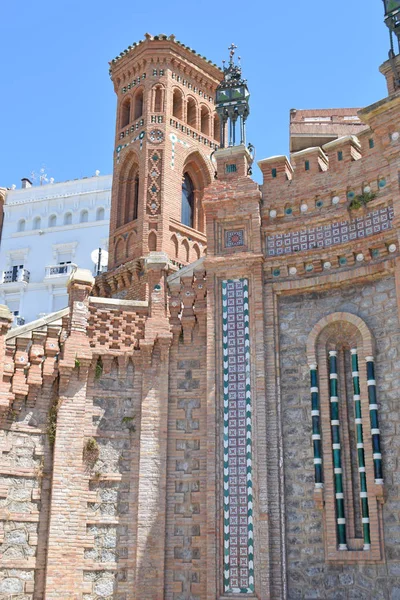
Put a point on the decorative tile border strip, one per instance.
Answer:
(325, 236)
(360, 449)
(238, 485)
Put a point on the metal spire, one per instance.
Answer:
(232, 101)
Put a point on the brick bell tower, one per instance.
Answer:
(166, 132)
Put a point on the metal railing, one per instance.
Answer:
(16, 275)
(60, 270)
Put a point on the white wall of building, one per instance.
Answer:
(44, 226)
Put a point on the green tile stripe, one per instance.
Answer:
(373, 415)
(360, 449)
(336, 451)
(316, 427)
(227, 583)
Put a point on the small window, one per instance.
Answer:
(307, 165)
(177, 104)
(21, 225)
(158, 99)
(187, 201)
(84, 216)
(52, 221)
(138, 104)
(340, 155)
(205, 120)
(231, 168)
(100, 214)
(371, 143)
(68, 219)
(273, 173)
(192, 113)
(37, 221)
(126, 113)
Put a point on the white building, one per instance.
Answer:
(48, 231)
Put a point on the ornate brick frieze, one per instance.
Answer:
(325, 236)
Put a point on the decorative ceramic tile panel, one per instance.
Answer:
(238, 486)
(234, 238)
(332, 234)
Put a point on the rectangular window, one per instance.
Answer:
(273, 172)
(307, 165)
(231, 168)
(371, 143)
(340, 155)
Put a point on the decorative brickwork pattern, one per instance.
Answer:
(115, 329)
(238, 486)
(325, 236)
(154, 182)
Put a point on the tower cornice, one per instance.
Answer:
(163, 43)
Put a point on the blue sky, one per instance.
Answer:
(57, 106)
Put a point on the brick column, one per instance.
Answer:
(153, 438)
(67, 527)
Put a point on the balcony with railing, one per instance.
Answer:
(16, 275)
(58, 271)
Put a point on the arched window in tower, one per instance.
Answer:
(52, 221)
(158, 98)
(136, 198)
(21, 225)
(132, 195)
(68, 218)
(177, 104)
(192, 113)
(138, 104)
(187, 201)
(84, 216)
(125, 113)
(205, 120)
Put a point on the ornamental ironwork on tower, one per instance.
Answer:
(232, 102)
(392, 20)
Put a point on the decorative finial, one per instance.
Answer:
(231, 49)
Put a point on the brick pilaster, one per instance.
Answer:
(67, 528)
(153, 439)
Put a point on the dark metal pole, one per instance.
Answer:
(99, 262)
